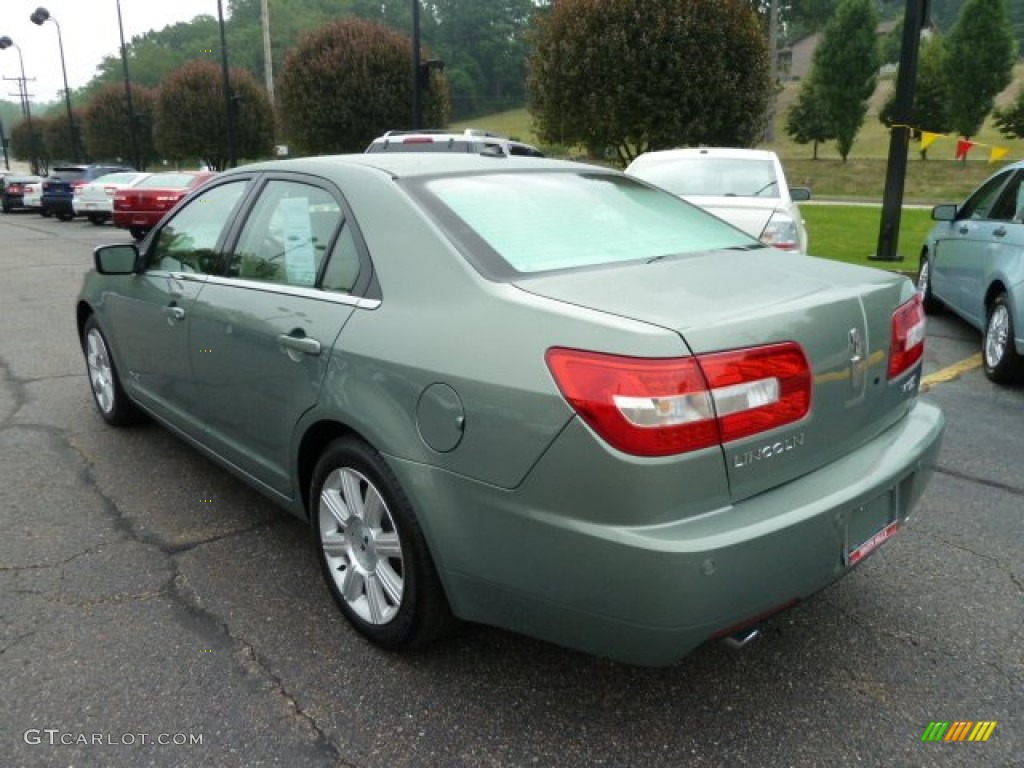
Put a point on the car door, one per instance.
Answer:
(265, 326)
(962, 250)
(154, 318)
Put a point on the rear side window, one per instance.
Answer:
(513, 223)
(287, 235)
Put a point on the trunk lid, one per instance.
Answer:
(751, 214)
(841, 315)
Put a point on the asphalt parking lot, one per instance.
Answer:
(156, 612)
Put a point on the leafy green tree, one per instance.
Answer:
(31, 147)
(807, 120)
(57, 136)
(106, 129)
(980, 54)
(191, 116)
(845, 67)
(1010, 119)
(348, 82)
(930, 110)
(637, 75)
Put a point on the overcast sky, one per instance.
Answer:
(89, 29)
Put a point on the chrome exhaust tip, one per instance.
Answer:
(742, 638)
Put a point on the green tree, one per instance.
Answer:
(106, 130)
(980, 53)
(930, 110)
(31, 147)
(191, 117)
(637, 75)
(845, 67)
(807, 120)
(348, 82)
(57, 136)
(1010, 120)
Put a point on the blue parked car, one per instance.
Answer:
(59, 187)
(973, 263)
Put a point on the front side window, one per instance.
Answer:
(287, 235)
(510, 223)
(187, 243)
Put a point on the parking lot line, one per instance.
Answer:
(950, 372)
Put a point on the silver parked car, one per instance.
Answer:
(746, 187)
(973, 263)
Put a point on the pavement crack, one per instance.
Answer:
(17, 388)
(192, 602)
(46, 566)
(17, 641)
(980, 480)
(999, 564)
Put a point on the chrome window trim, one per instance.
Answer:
(316, 294)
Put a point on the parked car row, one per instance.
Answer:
(133, 200)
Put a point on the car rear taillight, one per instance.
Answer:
(110, 191)
(908, 331)
(660, 407)
(781, 232)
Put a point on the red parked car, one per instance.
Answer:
(139, 208)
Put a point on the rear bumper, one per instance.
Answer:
(649, 594)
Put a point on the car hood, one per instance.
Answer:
(724, 300)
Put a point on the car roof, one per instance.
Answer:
(413, 164)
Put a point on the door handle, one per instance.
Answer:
(174, 314)
(304, 344)
(963, 230)
(1001, 232)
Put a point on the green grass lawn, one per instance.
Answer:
(850, 233)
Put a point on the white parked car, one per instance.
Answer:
(32, 196)
(95, 200)
(746, 187)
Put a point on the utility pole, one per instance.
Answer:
(773, 52)
(268, 59)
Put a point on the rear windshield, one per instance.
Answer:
(420, 145)
(116, 178)
(167, 181)
(67, 174)
(514, 223)
(712, 176)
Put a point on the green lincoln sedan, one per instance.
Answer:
(534, 394)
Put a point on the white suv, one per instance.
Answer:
(471, 140)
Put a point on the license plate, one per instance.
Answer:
(868, 527)
(869, 546)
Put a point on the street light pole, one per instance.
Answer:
(136, 159)
(33, 161)
(39, 17)
(228, 99)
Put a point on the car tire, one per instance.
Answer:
(138, 232)
(372, 551)
(924, 285)
(6, 207)
(45, 212)
(97, 218)
(111, 401)
(999, 356)
(65, 216)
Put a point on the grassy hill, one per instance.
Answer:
(862, 177)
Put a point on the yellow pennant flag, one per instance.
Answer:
(997, 154)
(927, 139)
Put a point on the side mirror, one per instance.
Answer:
(120, 259)
(945, 212)
(799, 194)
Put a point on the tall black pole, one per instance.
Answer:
(229, 104)
(417, 106)
(136, 158)
(899, 133)
(39, 17)
(33, 160)
(3, 142)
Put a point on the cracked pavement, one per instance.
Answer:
(145, 591)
